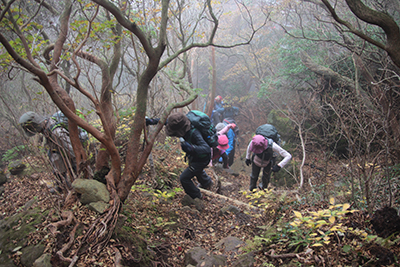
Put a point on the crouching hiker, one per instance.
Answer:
(263, 157)
(219, 152)
(197, 151)
(58, 143)
(228, 130)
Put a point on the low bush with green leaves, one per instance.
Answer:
(159, 195)
(317, 228)
(312, 229)
(14, 153)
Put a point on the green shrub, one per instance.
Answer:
(14, 153)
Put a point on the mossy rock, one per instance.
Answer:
(16, 167)
(31, 253)
(129, 236)
(15, 229)
(33, 168)
(3, 178)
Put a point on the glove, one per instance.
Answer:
(248, 162)
(152, 121)
(276, 168)
(188, 148)
(233, 126)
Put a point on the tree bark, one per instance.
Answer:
(210, 105)
(381, 19)
(325, 72)
(106, 106)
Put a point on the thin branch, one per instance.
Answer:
(126, 23)
(271, 254)
(23, 41)
(34, 15)
(6, 9)
(350, 27)
(83, 42)
(48, 6)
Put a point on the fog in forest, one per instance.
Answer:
(325, 73)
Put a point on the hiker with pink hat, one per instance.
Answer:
(263, 149)
(219, 151)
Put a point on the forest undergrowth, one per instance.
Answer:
(318, 225)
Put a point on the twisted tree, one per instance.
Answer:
(93, 37)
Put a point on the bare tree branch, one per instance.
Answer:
(381, 19)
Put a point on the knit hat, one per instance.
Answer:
(258, 144)
(223, 142)
(218, 99)
(219, 126)
(177, 125)
(31, 122)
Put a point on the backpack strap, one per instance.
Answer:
(54, 126)
(267, 154)
(190, 135)
(190, 141)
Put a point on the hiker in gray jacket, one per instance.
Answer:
(60, 151)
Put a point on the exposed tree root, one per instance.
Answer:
(53, 227)
(100, 232)
(70, 199)
(67, 246)
(271, 254)
(235, 201)
(217, 190)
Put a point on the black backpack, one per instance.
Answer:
(230, 112)
(269, 131)
(202, 122)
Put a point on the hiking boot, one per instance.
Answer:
(187, 200)
(198, 203)
(208, 187)
(261, 186)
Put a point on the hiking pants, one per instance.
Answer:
(255, 172)
(60, 168)
(231, 155)
(195, 169)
